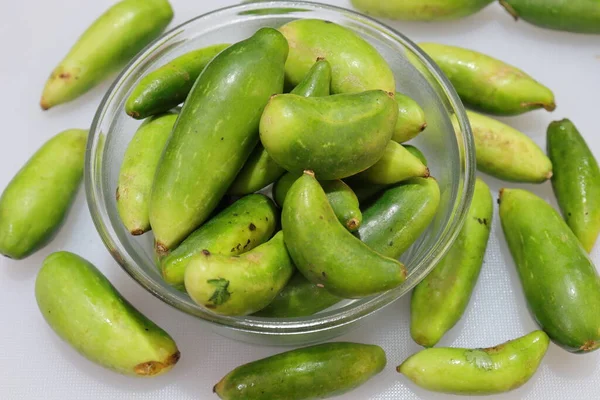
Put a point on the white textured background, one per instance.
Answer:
(35, 364)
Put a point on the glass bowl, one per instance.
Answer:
(448, 147)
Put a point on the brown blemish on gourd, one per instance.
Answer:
(44, 104)
(352, 224)
(404, 272)
(134, 114)
(495, 349)
(590, 345)
(151, 368)
(547, 106)
(161, 249)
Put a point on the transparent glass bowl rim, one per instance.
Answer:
(322, 321)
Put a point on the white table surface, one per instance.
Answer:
(36, 364)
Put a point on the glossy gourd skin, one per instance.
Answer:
(411, 119)
(399, 215)
(326, 253)
(493, 370)
(356, 66)
(244, 225)
(560, 282)
(487, 84)
(201, 161)
(36, 201)
(168, 86)
(315, 372)
(105, 47)
(416, 152)
(396, 165)
(138, 169)
(439, 301)
(239, 285)
(506, 153)
(341, 198)
(579, 16)
(317, 82)
(261, 170)
(87, 312)
(299, 298)
(576, 181)
(420, 10)
(354, 131)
